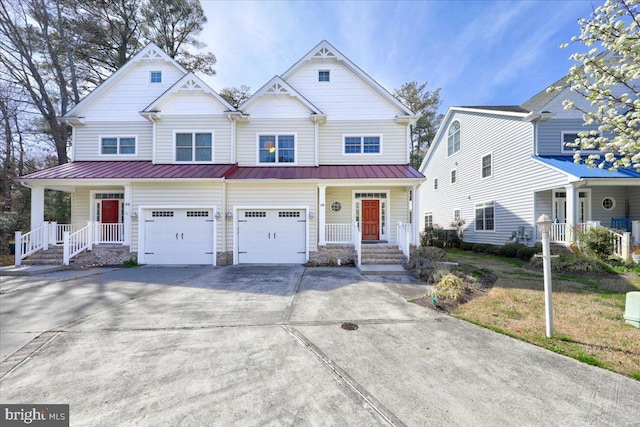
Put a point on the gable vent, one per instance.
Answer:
(324, 53)
(277, 89)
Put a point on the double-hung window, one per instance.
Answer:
(276, 148)
(118, 145)
(485, 216)
(428, 220)
(487, 166)
(194, 146)
(569, 144)
(363, 144)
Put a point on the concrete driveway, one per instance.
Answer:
(263, 345)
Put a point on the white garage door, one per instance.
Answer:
(179, 236)
(272, 236)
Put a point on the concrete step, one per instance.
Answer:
(377, 248)
(42, 261)
(383, 269)
(385, 261)
(383, 255)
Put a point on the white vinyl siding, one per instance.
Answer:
(168, 125)
(130, 93)
(510, 140)
(88, 140)
(346, 98)
(176, 194)
(248, 133)
(392, 135)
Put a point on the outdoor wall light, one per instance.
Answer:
(218, 215)
(134, 214)
(229, 214)
(312, 214)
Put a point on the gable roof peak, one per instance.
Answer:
(277, 86)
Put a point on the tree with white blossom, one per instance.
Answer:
(608, 75)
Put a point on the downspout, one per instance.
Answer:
(73, 142)
(153, 141)
(316, 135)
(224, 217)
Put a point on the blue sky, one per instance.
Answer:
(477, 52)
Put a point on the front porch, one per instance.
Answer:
(361, 216)
(577, 208)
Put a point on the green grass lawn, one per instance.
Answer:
(587, 310)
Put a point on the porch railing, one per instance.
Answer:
(60, 230)
(558, 232)
(28, 243)
(77, 242)
(403, 238)
(621, 244)
(357, 242)
(109, 233)
(338, 233)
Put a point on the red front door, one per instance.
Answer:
(110, 212)
(370, 220)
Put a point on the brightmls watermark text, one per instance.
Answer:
(34, 415)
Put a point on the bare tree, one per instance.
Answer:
(236, 96)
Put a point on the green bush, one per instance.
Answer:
(466, 246)
(438, 243)
(596, 243)
(479, 247)
(510, 250)
(574, 263)
(525, 253)
(490, 249)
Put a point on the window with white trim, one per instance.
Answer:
(487, 166)
(428, 219)
(362, 144)
(569, 145)
(118, 145)
(457, 214)
(454, 176)
(453, 138)
(194, 146)
(608, 203)
(485, 216)
(324, 76)
(276, 149)
(155, 77)
(435, 183)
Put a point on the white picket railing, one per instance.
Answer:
(403, 238)
(558, 232)
(77, 242)
(357, 242)
(109, 233)
(60, 230)
(621, 244)
(28, 243)
(338, 233)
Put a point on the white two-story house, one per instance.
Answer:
(312, 165)
(498, 168)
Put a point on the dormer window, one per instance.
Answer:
(324, 76)
(156, 77)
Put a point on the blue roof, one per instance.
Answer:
(566, 165)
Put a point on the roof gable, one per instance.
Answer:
(151, 52)
(326, 51)
(278, 87)
(190, 83)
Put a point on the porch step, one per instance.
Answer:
(382, 255)
(52, 256)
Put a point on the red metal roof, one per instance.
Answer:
(145, 169)
(128, 169)
(326, 172)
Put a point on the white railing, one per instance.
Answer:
(109, 233)
(558, 232)
(338, 233)
(621, 243)
(60, 229)
(403, 238)
(28, 243)
(357, 242)
(77, 242)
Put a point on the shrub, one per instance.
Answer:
(574, 263)
(466, 246)
(525, 253)
(596, 243)
(510, 250)
(479, 247)
(426, 262)
(451, 287)
(490, 249)
(438, 243)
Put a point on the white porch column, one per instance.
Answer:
(415, 211)
(322, 201)
(572, 212)
(37, 207)
(128, 208)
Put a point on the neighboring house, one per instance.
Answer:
(163, 165)
(498, 168)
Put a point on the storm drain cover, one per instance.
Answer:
(349, 326)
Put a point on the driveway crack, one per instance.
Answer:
(289, 309)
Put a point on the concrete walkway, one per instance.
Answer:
(263, 345)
